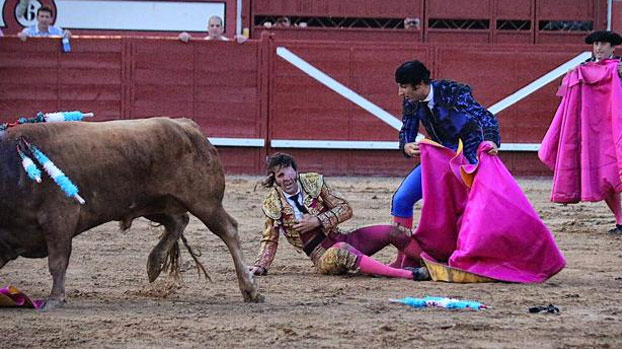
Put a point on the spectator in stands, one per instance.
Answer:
(306, 211)
(283, 22)
(44, 27)
(449, 113)
(215, 31)
(603, 44)
(412, 23)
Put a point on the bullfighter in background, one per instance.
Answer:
(583, 145)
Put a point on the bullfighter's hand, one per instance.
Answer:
(412, 149)
(620, 69)
(184, 37)
(494, 150)
(307, 223)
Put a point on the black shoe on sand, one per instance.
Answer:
(617, 231)
(420, 274)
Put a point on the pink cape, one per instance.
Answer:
(10, 296)
(583, 145)
(476, 218)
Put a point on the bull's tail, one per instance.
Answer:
(173, 257)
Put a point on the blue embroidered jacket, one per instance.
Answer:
(455, 115)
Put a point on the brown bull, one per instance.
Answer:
(157, 168)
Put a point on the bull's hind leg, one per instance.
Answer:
(223, 225)
(174, 225)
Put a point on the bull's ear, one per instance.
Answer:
(272, 205)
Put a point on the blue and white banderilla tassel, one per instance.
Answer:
(48, 117)
(57, 175)
(31, 169)
(441, 302)
(66, 116)
(55, 117)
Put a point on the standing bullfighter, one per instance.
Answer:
(449, 113)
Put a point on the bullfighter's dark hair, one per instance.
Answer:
(412, 72)
(217, 17)
(277, 160)
(45, 9)
(604, 36)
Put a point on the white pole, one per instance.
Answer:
(238, 19)
(609, 10)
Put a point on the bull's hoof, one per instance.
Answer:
(253, 297)
(155, 262)
(52, 304)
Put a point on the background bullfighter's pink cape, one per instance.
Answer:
(584, 142)
(477, 219)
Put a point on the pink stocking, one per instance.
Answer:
(613, 201)
(369, 265)
(399, 259)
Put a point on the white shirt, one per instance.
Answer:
(290, 201)
(430, 98)
(33, 30)
(222, 38)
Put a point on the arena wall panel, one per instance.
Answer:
(345, 34)
(564, 13)
(305, 109)
(216, 84)
(495, 74)
(513, 21)
(458, 9)
(352, 8)
(616, 16)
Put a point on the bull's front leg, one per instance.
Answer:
(59, 252)
(223, 225)
(59, 226)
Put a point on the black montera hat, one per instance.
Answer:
(604, 36)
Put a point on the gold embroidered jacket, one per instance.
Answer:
(318, 198)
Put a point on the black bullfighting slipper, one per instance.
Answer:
(617, 231)
(551, 309)
(420, 274)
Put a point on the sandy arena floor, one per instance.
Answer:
(112, 305)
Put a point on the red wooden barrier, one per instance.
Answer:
(616, 16)
(304, 109)
(217, 84)
(248, 92)
(564, 12)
